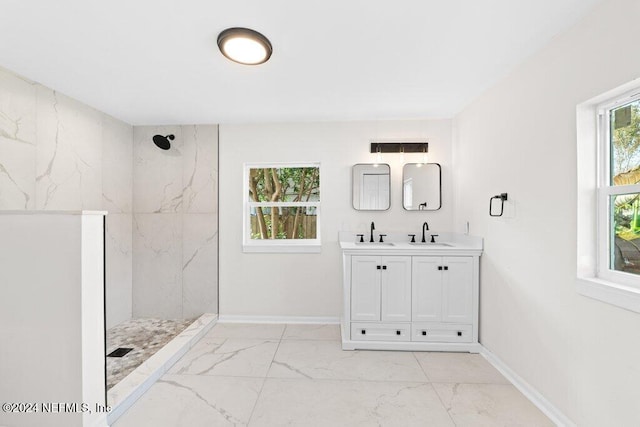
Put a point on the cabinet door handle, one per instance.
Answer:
(439, 267)
(364, 332)
(446, 267)
(424, 332)
(398, 332)
(384, 267)
(378, 267)
(459, 333)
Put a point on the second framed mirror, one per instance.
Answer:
(421, 187)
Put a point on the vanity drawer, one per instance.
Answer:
(441, 332)
(381, 331)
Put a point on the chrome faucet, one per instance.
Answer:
(425, 225)
(373, 227)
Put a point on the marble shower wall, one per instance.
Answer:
(175, 222)
(162, 229)
(59, 154)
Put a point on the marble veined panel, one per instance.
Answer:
(157, 174)
(200, 264)
(17, 108)
(266, 331)
(200, 169)
(17, 142)
(489, 405)
(69, 153)
(312, 332)
(326, 360)
(157, 266)
(228, 357)
(443, 367)
(119, 268)
(117, 165)
(187, 400)
(348, 403)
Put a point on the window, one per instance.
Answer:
(619, 191)
(282, 207)
(608, 192)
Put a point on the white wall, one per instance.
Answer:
(59, 154)
(520, 137)
(309, 285)
(51, 331)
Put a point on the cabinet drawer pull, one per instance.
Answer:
(459, 333)
(398, 333)
(363, 332)
(424, 333)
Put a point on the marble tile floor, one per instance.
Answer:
(145, 336)
(297, 375)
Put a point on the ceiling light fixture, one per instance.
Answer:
(244, 46)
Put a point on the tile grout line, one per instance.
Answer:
(433, 388)
(443, 405)
(265, 377)
(421, 368)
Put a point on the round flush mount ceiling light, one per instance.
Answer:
(244, 46)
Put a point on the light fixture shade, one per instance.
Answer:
(244, 46)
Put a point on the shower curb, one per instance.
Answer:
(124, 394)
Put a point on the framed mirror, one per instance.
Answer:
(421, 187)
(370, 186)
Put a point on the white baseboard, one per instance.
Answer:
(549, 409)
(239, 318)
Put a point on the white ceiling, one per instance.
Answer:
(156, 61)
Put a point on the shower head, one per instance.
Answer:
(163, 141)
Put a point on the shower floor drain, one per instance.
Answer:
(119, 352)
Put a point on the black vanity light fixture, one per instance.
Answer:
(244, 46)
(401, 148)
(163, 141)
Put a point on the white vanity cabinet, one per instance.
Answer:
(411, 297)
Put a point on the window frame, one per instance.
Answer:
(590, 154)
(605, 191)
(278, 245)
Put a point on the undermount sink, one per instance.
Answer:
(430, 244)
(373, 244)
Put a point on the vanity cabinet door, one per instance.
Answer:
(365, 288)
(457, 290)
(442, 289)
(427, 289)
(396, 288)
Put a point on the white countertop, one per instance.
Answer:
(400, 244)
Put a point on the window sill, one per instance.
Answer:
(609, 292)
(282, 249)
